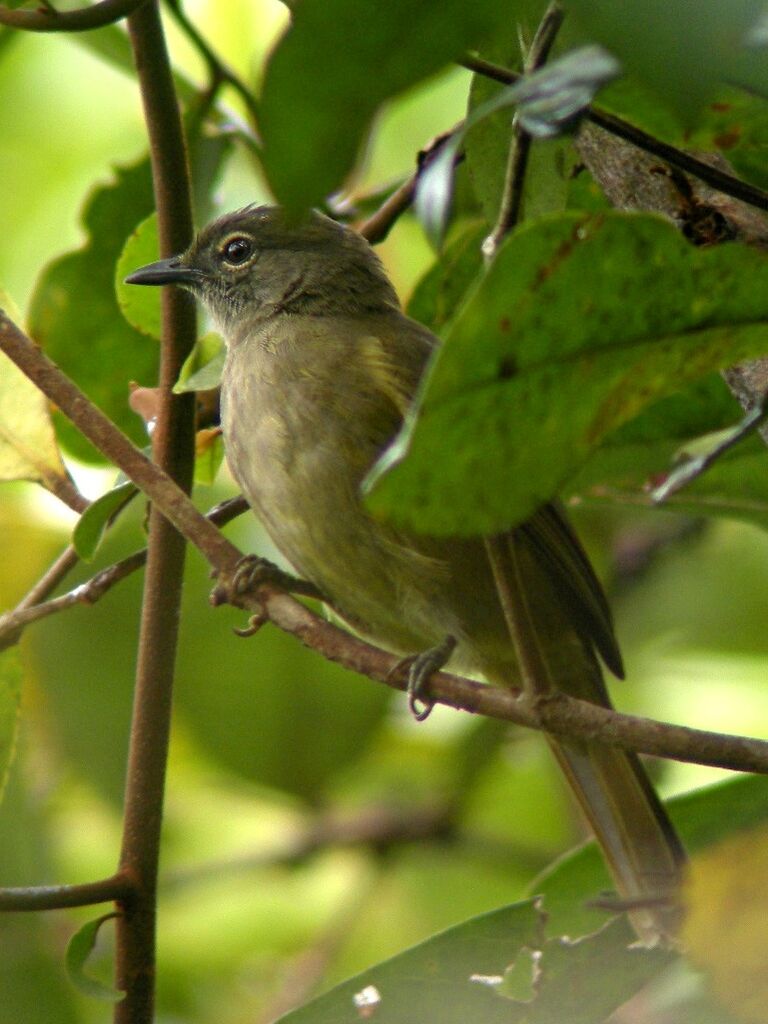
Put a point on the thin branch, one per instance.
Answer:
(376, 827)
(118, 888)
(218, 70)
(173, 448)
(520, 144)
(558, 714)
(45, 19)
(555, 713)
(114, 445)
(50, 579)
(28, 611)
(377, 226)
(729, 184)
(64, 488)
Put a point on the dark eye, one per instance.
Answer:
(237, 251)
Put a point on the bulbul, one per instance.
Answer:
(321, 367)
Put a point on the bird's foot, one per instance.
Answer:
(253, 570)
(250, 573)
(420, 667)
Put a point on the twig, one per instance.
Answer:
(173, 447)
(377, 226)
(113, 444)
(48, 20)
(63, 488)
(218, 70)
(558, 714)
(52, 577)
(57, 897)
(28, 611)
(520, 144)
(720, 180)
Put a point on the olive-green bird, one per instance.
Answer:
(321, 368)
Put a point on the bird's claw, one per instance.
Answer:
(420, 667)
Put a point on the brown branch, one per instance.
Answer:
(114, 445)
(51, 578)
(555, 713)
(63, 488)
(173, 448)
(563, 715)
(218, 70)
(118, 888)
(34, 606)
(45, 19)
(377, 226)
(713, 176)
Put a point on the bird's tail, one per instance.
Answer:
(572, 622)
(637, 839)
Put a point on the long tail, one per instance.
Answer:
(637, 839)
(572, 620)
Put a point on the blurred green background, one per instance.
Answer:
(269, 740)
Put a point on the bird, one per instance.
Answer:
(322, 368)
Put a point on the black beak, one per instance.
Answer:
(170, 271)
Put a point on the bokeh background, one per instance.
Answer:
(271, 745)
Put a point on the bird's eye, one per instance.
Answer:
(237, 251)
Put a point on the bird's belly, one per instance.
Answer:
(404, 593)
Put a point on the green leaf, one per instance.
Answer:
(139, 306)
(443, 979)
(702, 817)
(203, 366)
(567, 337)
(647, 445)
(313, 124)
(79, 949)
(209, 455)
(592, 976)
(735, 487)
(74, 313)
(91, 525)
(646, 36)
(28, 449)
(547, 102)
(10, 703)
(437, 296)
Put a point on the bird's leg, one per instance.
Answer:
(420, 667)
(253, 570)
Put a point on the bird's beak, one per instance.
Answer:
(170, 271)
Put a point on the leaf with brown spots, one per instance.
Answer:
(608, 316)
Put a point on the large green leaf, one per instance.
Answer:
(702, 817)
(434, 980)
(683, 52)
(333, 68)
(580, 324)
(139, 306)
(74, 313)
(440, 292)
